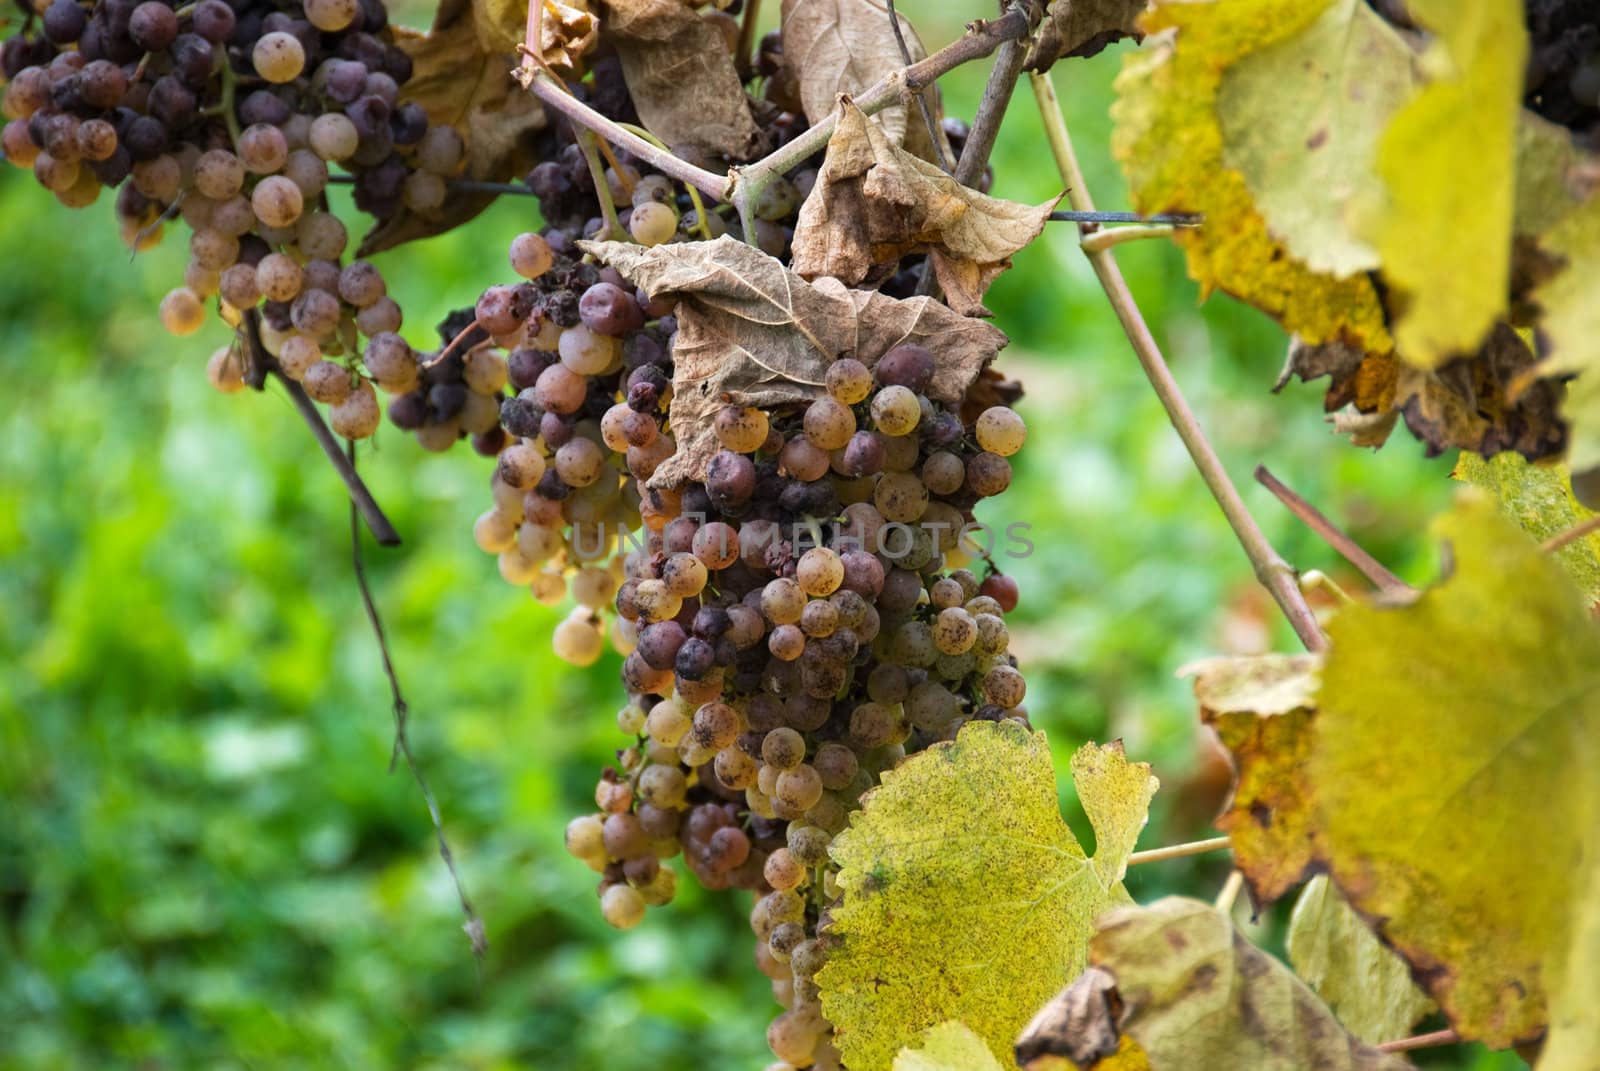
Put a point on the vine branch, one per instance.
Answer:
(922, 101)
(1348, 548)
(402, 742)
(745, 184)
(257, 369)
(1275, 574)
(1571, 535)
(1178, 851)
(1420, 1041)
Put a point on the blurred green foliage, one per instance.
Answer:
(204, 862)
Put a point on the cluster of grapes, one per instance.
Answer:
(228, 114)
(801, 621)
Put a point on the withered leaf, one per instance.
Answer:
(1080, 1023)
(874, 202)
(1191, 992)
(1083, 28)
(568, 32)
(752, 332)
(1262, 708)
(1487, 403)
(843, 46)
(461, 84)
(681, 76)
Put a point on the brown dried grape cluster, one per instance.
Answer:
(228, 114)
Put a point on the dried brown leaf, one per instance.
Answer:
(874, 202)
(752, 332)
(461, 84)
(1080, 1023)
(568, 32)
(843, 46)
(681, 76)
(1486, 403)
(1083, 28)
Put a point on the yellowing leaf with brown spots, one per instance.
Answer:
(1193, 994)
(965, 896)
(1171, 147)
(1453, 768)
(1442, 221)
(1261, 709)
(1571, 323)
(1301, 120)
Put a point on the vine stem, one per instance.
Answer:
(257, 369)
(745, 184)
(1230, 891)
(555, 96)
(1114, 236)
(922, 100)
(402, 742)
(1275, 574)
(743, 58)
(1571, 535)
(1420, 1041)
(1348, 548)
(1178, 851)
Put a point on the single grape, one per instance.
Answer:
(1001, 431)
(277, 57)
(182, 312)
(653, 223)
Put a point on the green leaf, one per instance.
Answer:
(1453, 768)
(1444, 243)
(949, 1046)
(1300, 121)
(1170, 144)
(1539, 499)
(965, 894)
(1368, 987)
(1193, 994)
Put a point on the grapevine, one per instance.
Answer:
(737, 405)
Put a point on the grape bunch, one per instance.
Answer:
(802, 620)
(229, 114)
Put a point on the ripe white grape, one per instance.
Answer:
(277, 201)
(358, 415)
(586, 352)
(530, 255)
(224, 372)
(653, 223)
(579, 642)
(1001, 431)
(548, 588)
(278, 57)
(182, 312)
(334, 137)
(896, 411)
(297, 355)
(494, 532)
(622, 906)
(331, 16)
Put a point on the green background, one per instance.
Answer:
(204, 862)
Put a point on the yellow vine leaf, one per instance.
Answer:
(1261, 709)
(966, 897)
(1453, 771)
(1573, 1043)
(1368, 987)
(949, 1046)
(1301, 120)
(1170, 145)
(1191, 993)
(1539, 499)
(1571, 324)
(1442, 225)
